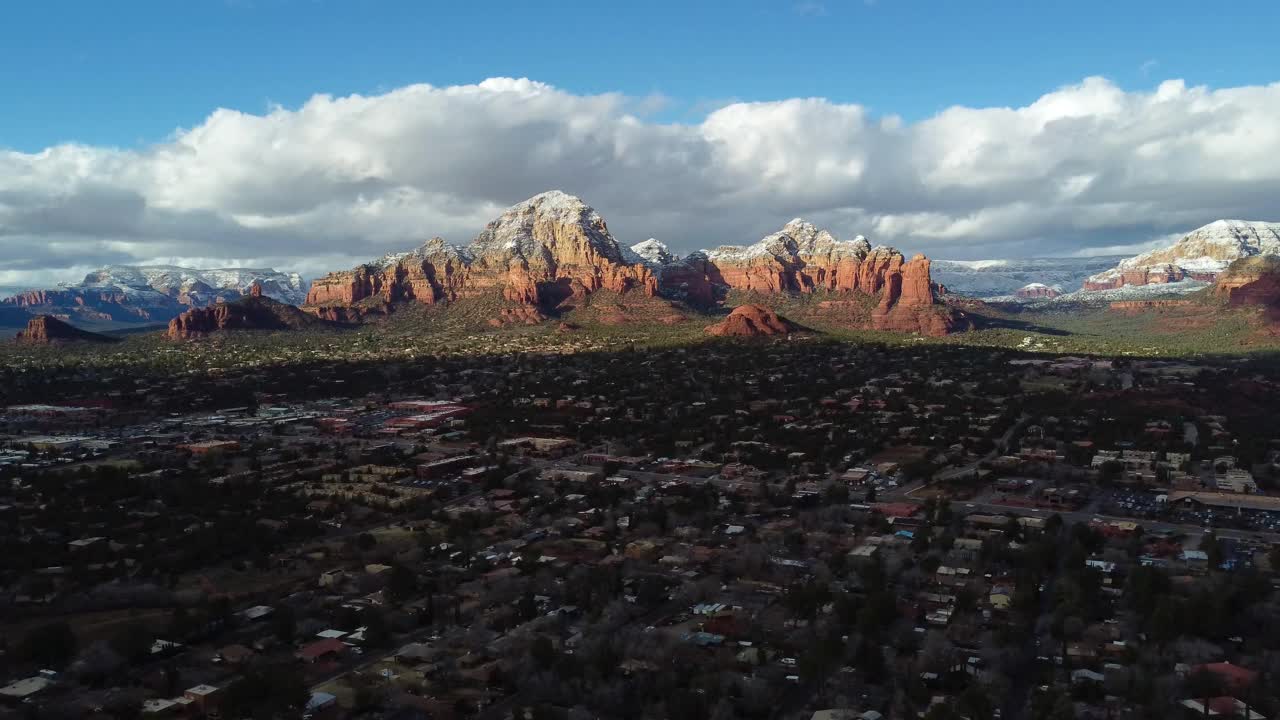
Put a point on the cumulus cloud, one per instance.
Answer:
(340, 179)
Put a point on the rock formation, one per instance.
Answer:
(1251, 281)
(153, 293)
(46, 329)
(1137, 306)
(553, 249)
(1037, 290)
(255, 312)
(907, 302)
(1202, 254)
(541, 252)
(651, 252)
(752, 321)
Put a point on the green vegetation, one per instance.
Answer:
(606, 321)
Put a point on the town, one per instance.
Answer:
(797, 528)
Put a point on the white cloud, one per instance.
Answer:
(339, 179)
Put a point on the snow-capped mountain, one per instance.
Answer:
(650, 252)
(153, 293)
(1200, 255)
(1003, 278)
(173, 281)
(798, 238)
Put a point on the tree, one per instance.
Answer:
(284, 624)
(266, 693)
(133, 642)
(402, 584)
(942, 711)
(543, 653)
(376, 633)
(52, 645)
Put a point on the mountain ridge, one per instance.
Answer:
(139, 294)
(1201, 254)
(554, 248)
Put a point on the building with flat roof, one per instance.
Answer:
(1230, 501)
(20, 690)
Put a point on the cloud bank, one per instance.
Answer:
(342, 179)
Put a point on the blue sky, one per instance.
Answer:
(966, 130)
(129, 73)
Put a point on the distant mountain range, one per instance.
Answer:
(1004, 278)
(123, 295)
(553, 249)
(1201, 255)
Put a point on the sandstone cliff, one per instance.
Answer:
(1251, 281)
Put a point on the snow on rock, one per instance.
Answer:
(171, 280)
(1103, 297)
(1004, 277)
(650, 252)
(798, 238)
(1201, 255)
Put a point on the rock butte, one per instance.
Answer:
(255, 312)
(46, 329)
(1037, 290)
(553, 248)
(752, 321)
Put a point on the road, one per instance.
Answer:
(1002, 446)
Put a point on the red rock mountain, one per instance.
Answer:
(553, 247)
(1038, 290)
(752, 321)
(1251, 281)
(45, 329)
(255, 312)
(1201, 254)
(540, 252)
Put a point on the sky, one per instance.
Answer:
(310, 135)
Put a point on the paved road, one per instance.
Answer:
(1001, 446)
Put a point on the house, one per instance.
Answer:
(20, 690)
(415, 653)
(319, 703)
(332, 578)
(326, 649)
(835, 714)
(235, 654)
(210, 446)
(1232, 676)
(1224, 707)
(1196, 559)
(1084, 675)
(203, 699)
(1236, 481)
